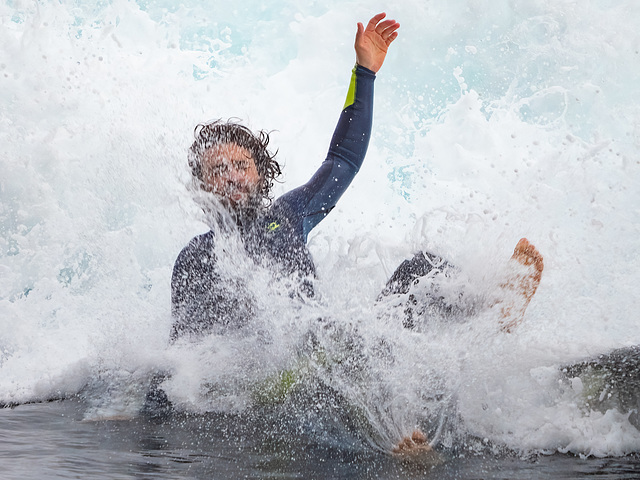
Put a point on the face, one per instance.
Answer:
(230, 172)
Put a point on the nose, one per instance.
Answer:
(235, 177)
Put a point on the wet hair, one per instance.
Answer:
(221, 132)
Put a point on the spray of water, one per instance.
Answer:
(493, 121)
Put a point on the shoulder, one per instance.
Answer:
(198, 250)
(199, 242)
(282, 207)
(293, 202)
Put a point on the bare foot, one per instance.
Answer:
(526, 271)
(416, 449)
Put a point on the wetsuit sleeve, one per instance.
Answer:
(312, 202)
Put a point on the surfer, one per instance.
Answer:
(236, 167)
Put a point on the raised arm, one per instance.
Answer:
(314, 200)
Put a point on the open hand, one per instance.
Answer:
(372, 43)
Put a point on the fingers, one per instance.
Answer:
(386, 26)
(360, 31)
(386, 29)
(391, 38)
(374, 21)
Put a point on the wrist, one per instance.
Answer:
(364, 69)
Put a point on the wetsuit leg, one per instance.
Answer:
(405, 275)
(409, 273)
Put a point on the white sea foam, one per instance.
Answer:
(494, 120)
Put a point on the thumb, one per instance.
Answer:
(360, 30)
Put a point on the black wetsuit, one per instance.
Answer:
(200, 300)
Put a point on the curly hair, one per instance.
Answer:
(220, 132)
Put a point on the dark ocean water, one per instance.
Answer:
(51, 440)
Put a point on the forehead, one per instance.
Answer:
(228, 151)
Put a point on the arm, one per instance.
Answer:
(314, 200)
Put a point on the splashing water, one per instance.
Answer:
(493, 121)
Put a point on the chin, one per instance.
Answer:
(246, 203)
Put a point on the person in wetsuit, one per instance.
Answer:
(233, 164)
(236, 167)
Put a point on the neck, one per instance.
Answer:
(228, 216)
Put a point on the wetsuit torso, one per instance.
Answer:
(200, 300)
